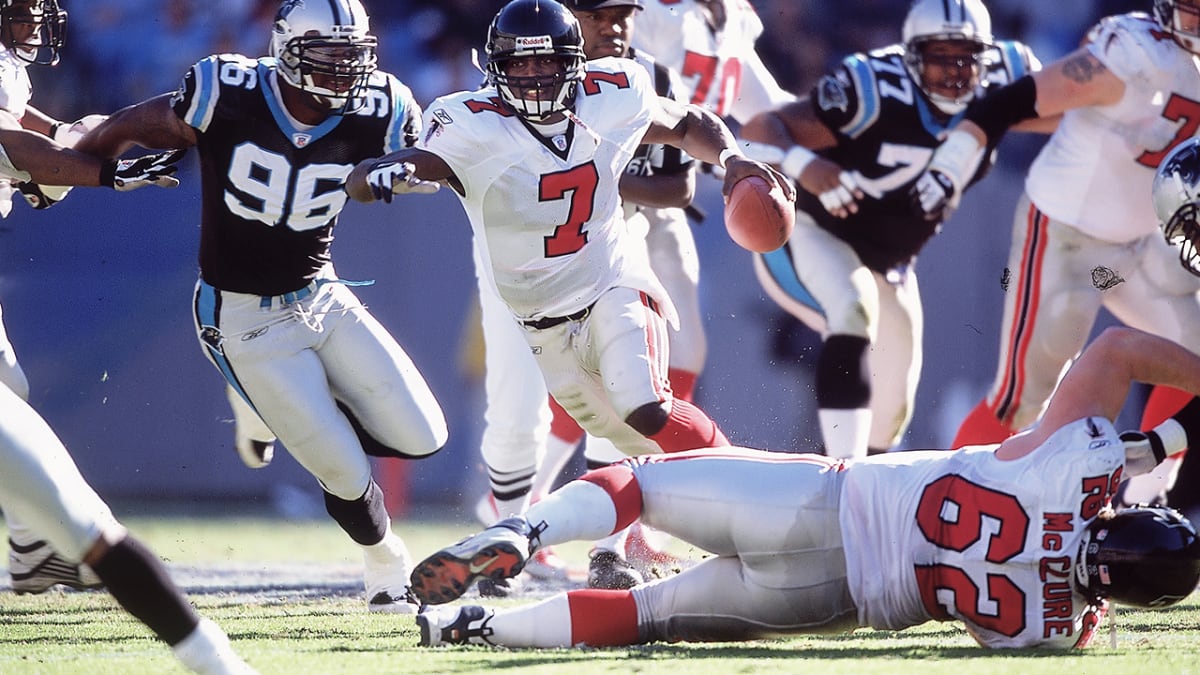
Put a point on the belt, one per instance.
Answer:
(552, 321)
(266, 301)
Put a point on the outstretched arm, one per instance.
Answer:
(703, 135)
(1099, 381)
(150, 124)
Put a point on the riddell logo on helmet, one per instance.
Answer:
(534, 42)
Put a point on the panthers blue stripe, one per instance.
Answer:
(206, 84)
(1012, 58)
(868, 95)
(208, 315)
(779, 264)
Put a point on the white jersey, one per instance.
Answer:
(1095, 172)
(15, 92)
(993, 543)
(720, 70)
(546, 212)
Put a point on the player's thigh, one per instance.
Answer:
(895, 358)
(750, 503)
(517, 416)
(374, 377)
(11, 374)
(560, 352)
(41, 487)
(625, 340)
(818, 275)
(676, 263)
(716, 601)
(1159, 296)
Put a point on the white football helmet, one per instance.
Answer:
(324, 48)
(33, 29)
(1180, 18)
(947, 21)
(1176, 193)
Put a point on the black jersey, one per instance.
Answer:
(886, 132)
(271, 190)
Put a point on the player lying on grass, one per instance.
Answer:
(1014, 539)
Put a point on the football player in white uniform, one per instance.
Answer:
(547, 216)
(658, 182)
(277, 137)
(848, 271)
(31, 32)
(1012, 540)
(1084, 233)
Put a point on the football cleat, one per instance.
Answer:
(609, 571)
(466, 625)
(386, 571)
(36, 568)
(254, 453)
(648, 560)
(499, 588)
(546, 565)
(499, 552)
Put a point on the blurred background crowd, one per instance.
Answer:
(121, 51)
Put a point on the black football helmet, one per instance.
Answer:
(41, 43)
(325, 49)
(1176, 193)
(1143, 556)
(525, 28)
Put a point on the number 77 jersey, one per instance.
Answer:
(991, 543)
(543, 200)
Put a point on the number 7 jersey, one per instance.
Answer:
(992, 543)
(545, 208)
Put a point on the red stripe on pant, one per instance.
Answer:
(601, 618)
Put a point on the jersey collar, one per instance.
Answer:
(299, 137)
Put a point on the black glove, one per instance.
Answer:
(932, 196)
(36, 195)
(158, 169)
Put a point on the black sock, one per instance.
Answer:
(365, 519)
(138, 581)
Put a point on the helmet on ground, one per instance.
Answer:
(535, 28)
(324, 48)
(1176, 193)
(33, 29)
(958, 22)
(1142, 556)
(1180, 18)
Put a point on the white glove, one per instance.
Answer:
(397, 178)
(841, 198)
(158, 169)
(933, 196)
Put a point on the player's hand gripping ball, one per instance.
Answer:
(758, 216)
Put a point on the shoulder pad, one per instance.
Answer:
(1132, 46)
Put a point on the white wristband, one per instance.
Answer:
(726, 154)
(796, 160)
(958, 157)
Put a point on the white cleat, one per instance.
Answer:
(466, 625)
(36, 568)
(387, 566)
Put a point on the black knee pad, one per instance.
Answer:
(650, 418)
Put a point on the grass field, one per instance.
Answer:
(289, 594)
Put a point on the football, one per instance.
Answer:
(758, 217)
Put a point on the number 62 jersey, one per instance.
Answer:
(272, 187)
(992, 543)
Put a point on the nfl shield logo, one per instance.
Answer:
(560, 142)
(301, 140)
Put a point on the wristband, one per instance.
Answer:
(796, 160)
(108, 173)
(726, 154)
(957, 157)
(54, 127)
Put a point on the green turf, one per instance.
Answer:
(86, 632)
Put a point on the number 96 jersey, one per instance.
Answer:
(989, 542)
(272, 187)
